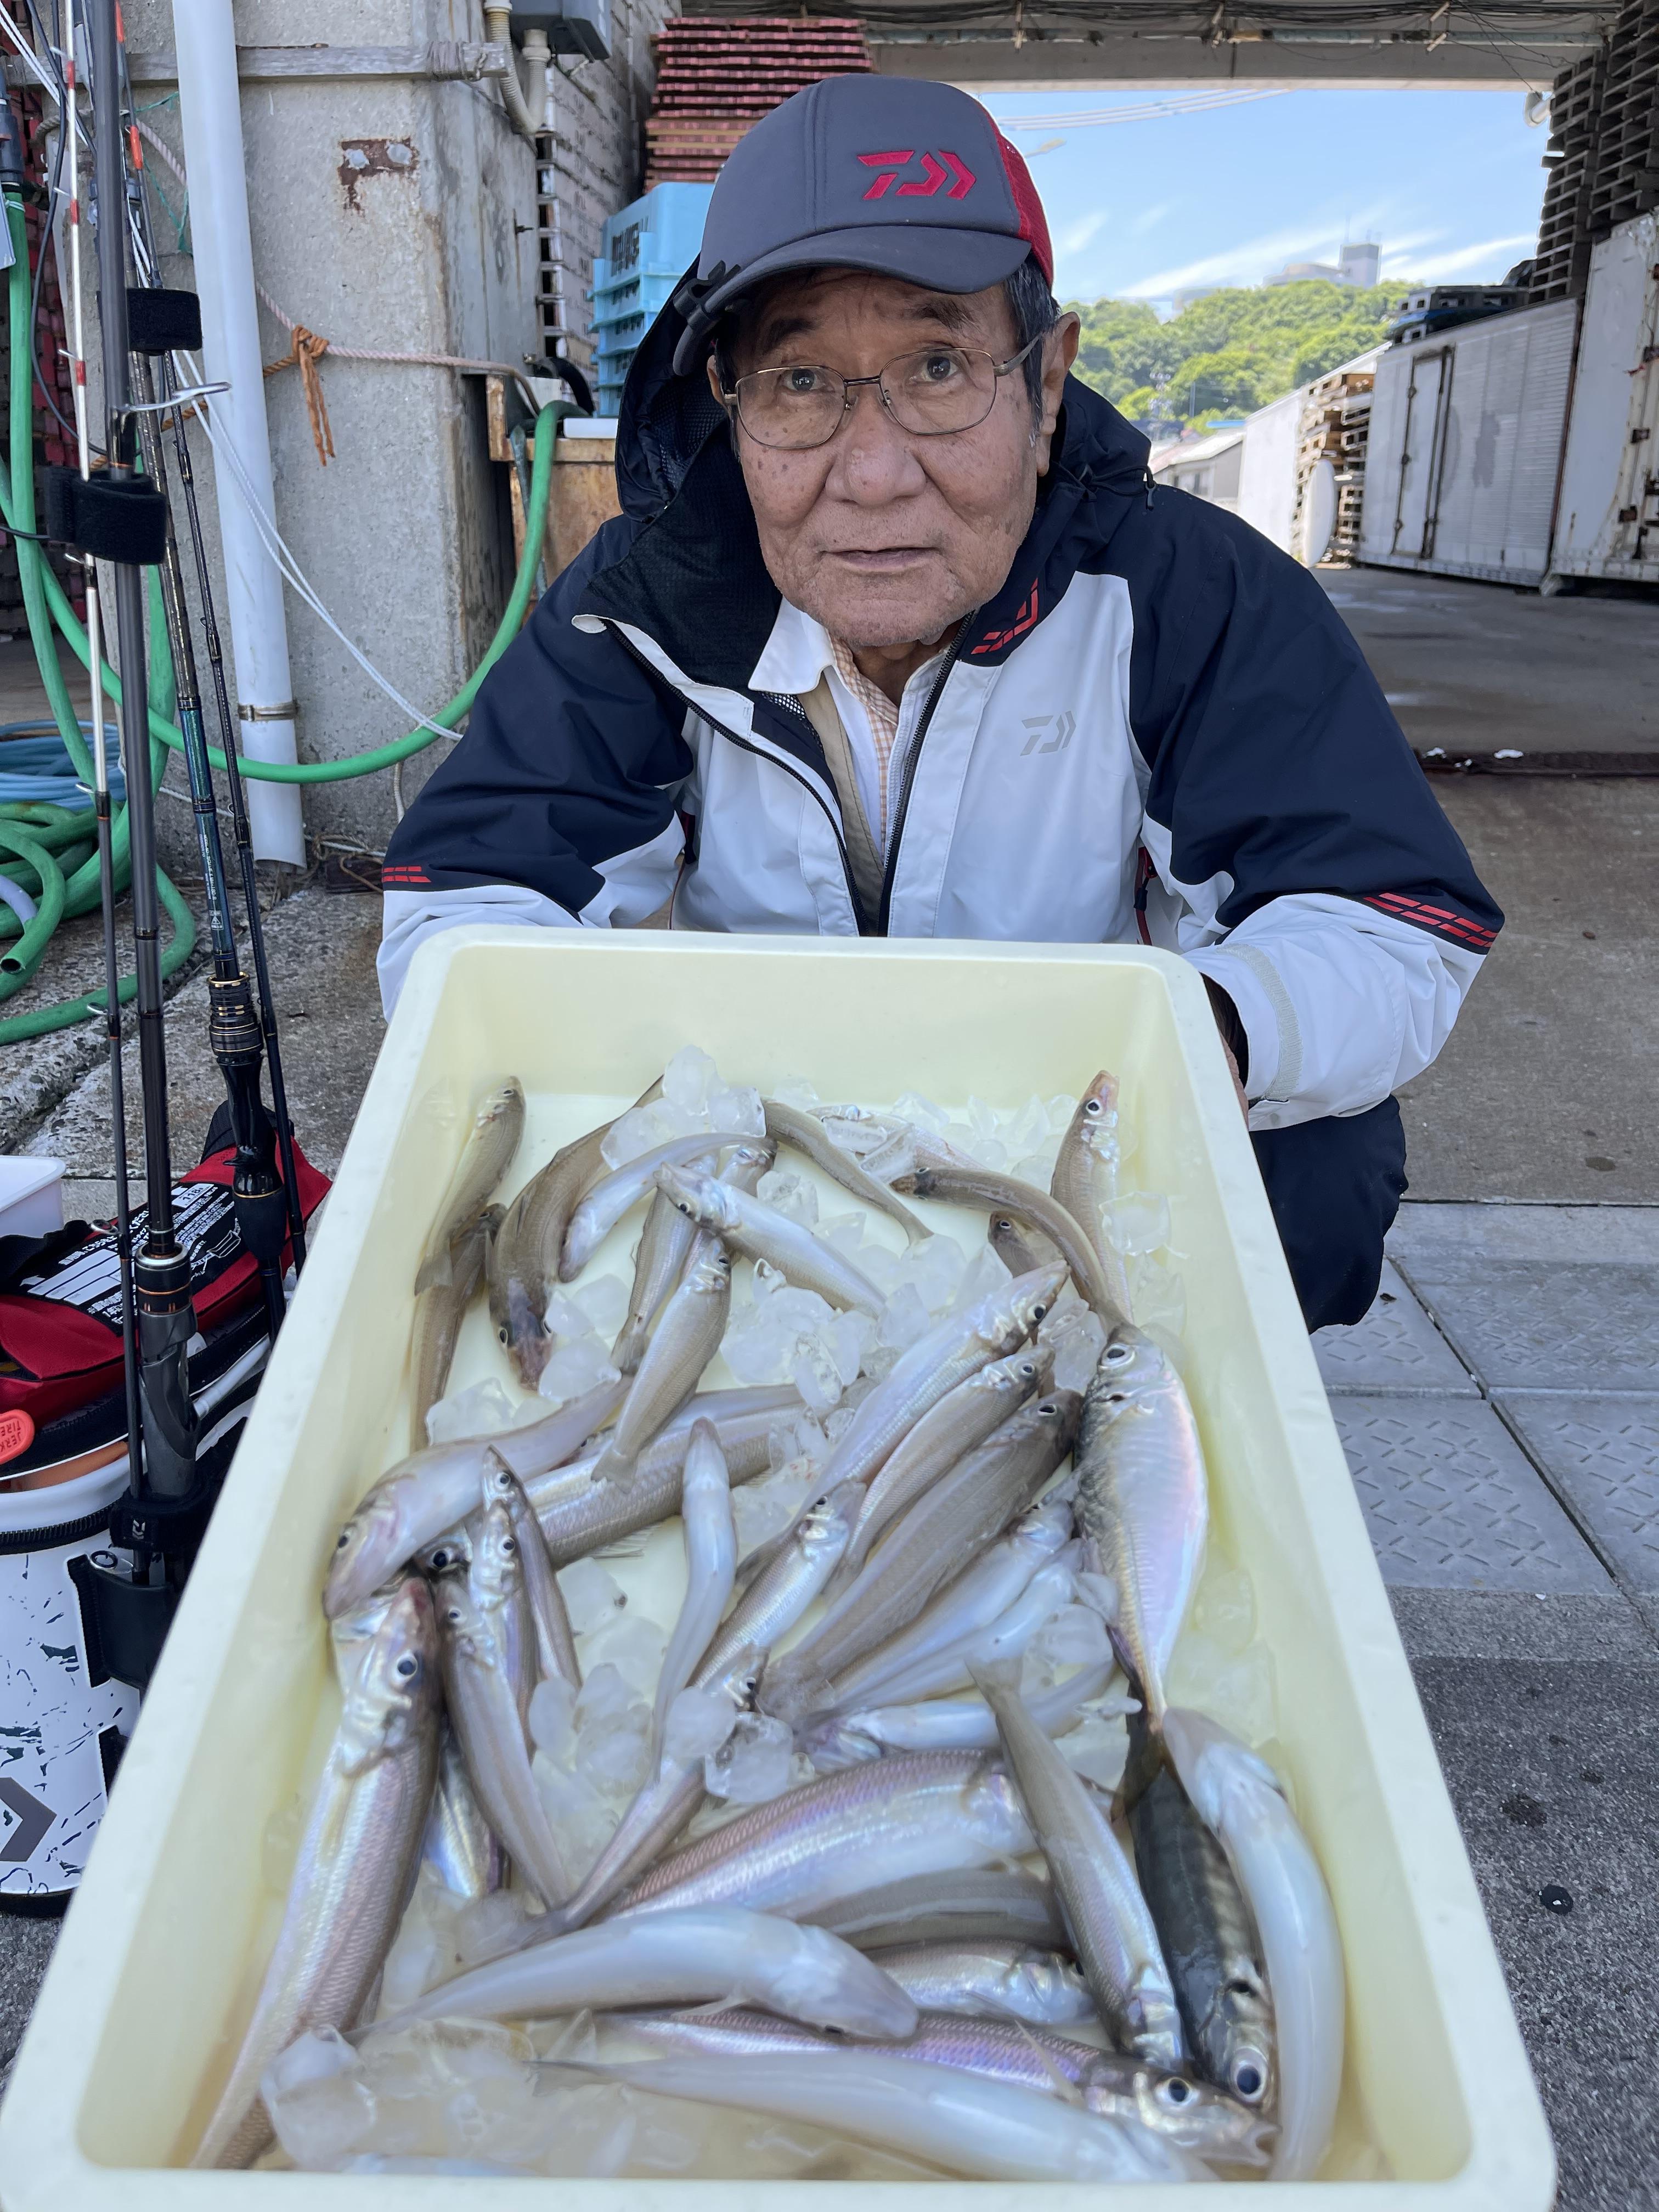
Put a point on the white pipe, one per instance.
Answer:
(210, 113)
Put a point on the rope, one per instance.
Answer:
(306, 350)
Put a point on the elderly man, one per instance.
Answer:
(896, 636)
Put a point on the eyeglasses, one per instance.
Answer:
(931, 393)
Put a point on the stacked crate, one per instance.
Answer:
(1335, 427)
(1626, 181)
(716, 77)
(1564, 235)
(1603, 155)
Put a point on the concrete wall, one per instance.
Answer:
(405, 534)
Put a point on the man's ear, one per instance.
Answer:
(1058, 352)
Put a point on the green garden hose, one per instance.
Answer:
(47, 844)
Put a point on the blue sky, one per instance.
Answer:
(1449, 182)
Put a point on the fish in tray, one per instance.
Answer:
(694, 1956)
(358, 1855)
(921, 1946)
(1143, 1500)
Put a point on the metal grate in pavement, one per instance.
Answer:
(1602, 1456)
(1546, 1324)
(1396, 1347)
(1451, 1502)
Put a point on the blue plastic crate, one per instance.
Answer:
(647, 247)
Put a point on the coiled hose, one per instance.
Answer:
(48, 851)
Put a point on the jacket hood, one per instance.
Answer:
(666, 420)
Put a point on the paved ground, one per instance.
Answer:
(1477, 667)
(1500, 1409)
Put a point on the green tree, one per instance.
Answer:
(1230, 351)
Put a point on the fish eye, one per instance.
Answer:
(453, 1615)
(509, 1544)
(345, 1537)
(1176, 2091)
(407, 1666)
(1116, 1354)
(1091, 1105)
(1038, 1313)
(501, 1336)
(1248, 2079)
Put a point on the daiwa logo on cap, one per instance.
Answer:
(937, 169)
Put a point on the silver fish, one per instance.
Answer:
(1111, 1929)
(661, 1807)
(795, 1575)
(556, 1643)
(824, 1840)
(664, 1244)
(414, 1503)
(950, 1669)
(358, 1856)
(944, 1434)
(439, 1310)
(943, 1533)
(972, 1602)
(524, 1260)
(615, 1194)
(711, 1561)
(1204, 1923)
(1172, 2108)
(1020, 1249)
(487, 1642)
(999, 1981)
(1032, 1209)
(991, 2130)
(805, 1134)
(667, 1243)
(685, 1338)
(958, 1905)
(1238, 1796)
(460, 1847)
(492, 1141)
(1081, 1181)
(578, 1514)
(688, 1957)
(1143, 1500)
(949, 1723)
(951, 1351)
(759, 1231)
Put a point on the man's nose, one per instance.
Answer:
(873, 461)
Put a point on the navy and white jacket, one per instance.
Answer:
(1159, 728)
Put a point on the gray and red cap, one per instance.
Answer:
(892, 174)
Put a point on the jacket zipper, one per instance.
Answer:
(913, 757)
(760, 753)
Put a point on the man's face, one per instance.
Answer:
(887, 536)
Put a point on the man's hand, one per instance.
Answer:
(1234, 1042)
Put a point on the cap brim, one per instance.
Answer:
(944, 259)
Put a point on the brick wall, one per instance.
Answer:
(591, 164)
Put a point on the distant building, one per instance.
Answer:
(1359, 265)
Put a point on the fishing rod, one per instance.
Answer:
(69, 124)
(163, 323)
(12, 177)
(158, 320)
(160, 1269)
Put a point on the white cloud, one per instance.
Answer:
(1462, 260)
(1078, 235)
(1246, 263)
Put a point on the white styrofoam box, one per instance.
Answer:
(31, 1194)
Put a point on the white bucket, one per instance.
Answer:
(61, 1731)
